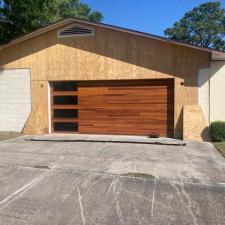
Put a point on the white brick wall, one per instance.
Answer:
(15, 102)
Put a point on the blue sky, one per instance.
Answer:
(151, 16)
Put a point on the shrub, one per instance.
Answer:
(217, 131)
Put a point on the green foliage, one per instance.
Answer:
(217, 131)
(203, 26)
(18, 17)
(221, 147)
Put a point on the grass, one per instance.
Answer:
(221, 147)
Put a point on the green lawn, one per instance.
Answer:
(221, 147)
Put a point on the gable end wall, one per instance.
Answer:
(108, 55)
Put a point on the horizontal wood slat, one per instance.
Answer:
(138, 107)
(115, 84)
(66, 132)
(122, 131)
(65, 120)
(64, 106)
(64, 93)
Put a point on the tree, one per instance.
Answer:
(18, 17)
(203, 26)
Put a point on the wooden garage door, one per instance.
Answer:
(127, 107)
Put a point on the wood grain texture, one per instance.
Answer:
(127, 107)
(39, 109)
(108, 55)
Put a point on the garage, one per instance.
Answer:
(128, 107)
(107, 80)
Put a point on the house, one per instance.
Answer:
(83, 77)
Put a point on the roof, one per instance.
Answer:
(216, 54)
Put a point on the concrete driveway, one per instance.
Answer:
(65, 180)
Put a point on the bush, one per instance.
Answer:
(217, 131)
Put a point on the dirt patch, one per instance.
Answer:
(5, 135)
(43, 167)
(139, 175)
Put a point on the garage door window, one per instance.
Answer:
(65, 113)
(64, 86)
(64, 107)
(65, 100)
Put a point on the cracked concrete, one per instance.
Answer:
(66, 183)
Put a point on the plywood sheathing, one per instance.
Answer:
(195, 126)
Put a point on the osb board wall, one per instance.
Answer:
(195, 127)
(108, 55)
(37, 122)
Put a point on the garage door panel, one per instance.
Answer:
(128, 117)
(104, 130)
(154, 106)
(145, 106)
(150, 101)
(110, 92)
(126, 97)
(122, 126)
(126, 107)
(125, 83)
(110, 111)
(130, 121)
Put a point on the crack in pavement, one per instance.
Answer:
(153, 201)
(14, 196)
(187, 205)
(81, 205)
(119, 212)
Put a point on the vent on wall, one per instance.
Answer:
(74, 31)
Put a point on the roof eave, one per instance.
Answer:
(216, 55)
(37, 33)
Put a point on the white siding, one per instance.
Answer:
(211, 94)
(217, 91)
(203, 91)
(15, 102)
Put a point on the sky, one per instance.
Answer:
(151, 16)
